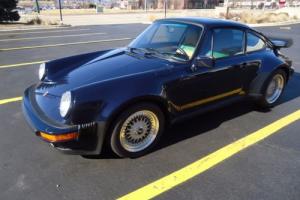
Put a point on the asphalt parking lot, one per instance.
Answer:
(31, 169)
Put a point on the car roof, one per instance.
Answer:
(207, 22)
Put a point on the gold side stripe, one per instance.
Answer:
(207, 100)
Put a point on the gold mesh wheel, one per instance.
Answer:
(139, 131)
(275, 88)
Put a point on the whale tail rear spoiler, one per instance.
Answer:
(279, 43)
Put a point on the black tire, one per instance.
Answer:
(117, 144)
(263, 102)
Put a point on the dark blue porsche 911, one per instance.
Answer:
(176, 68)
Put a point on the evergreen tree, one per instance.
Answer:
(7, 10)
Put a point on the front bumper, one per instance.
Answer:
(90, 136)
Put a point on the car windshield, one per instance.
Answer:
(169, 39)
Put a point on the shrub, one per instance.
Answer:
(36, 20)
(257, 18)
(8, 10)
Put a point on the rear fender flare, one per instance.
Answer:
(257, 85)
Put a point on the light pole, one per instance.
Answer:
(165, 8)
(61, 19)
(145, 5)
(226, 2)
(37, 6)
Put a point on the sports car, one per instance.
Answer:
(177, 68)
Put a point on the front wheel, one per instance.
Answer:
(273, 89)
(137, 130)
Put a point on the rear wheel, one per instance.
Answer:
(273, 89)
(137, 130)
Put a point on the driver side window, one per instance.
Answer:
(227, 42)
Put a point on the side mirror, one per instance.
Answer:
(203, 61)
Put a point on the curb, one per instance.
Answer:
(143, 22)
(275, 24)
(257, 25)
(34, 27)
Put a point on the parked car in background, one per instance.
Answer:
(21, 10)
(271, 4)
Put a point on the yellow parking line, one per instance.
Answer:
(48, 31)
(178, 177)
(22, 64)
(65, 44)
(54, 36)
(5, 101)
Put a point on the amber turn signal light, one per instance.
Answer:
(59, 138)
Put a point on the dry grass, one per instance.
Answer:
(69, 12)
(152, 18)
(88, 11)
(36, 20)
(258, 18)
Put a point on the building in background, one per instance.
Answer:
(188, 4)
(151, 4)
(159, 4)
(129, 4)
(171, 4)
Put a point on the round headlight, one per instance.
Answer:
(65, 103)
(42, 71)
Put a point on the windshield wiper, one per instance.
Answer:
(152, 50)
(170, 55)
(143, 50)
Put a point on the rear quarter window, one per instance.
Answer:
(254, 43)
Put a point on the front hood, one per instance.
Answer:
(112, 65)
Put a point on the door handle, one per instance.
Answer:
(194, 68)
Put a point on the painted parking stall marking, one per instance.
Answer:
(46, 37)
(65, 44)
(10, 100)
(46, 31)
(22, 64)
(285, 27)
(178, 177)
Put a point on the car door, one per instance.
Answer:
(208, 84)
